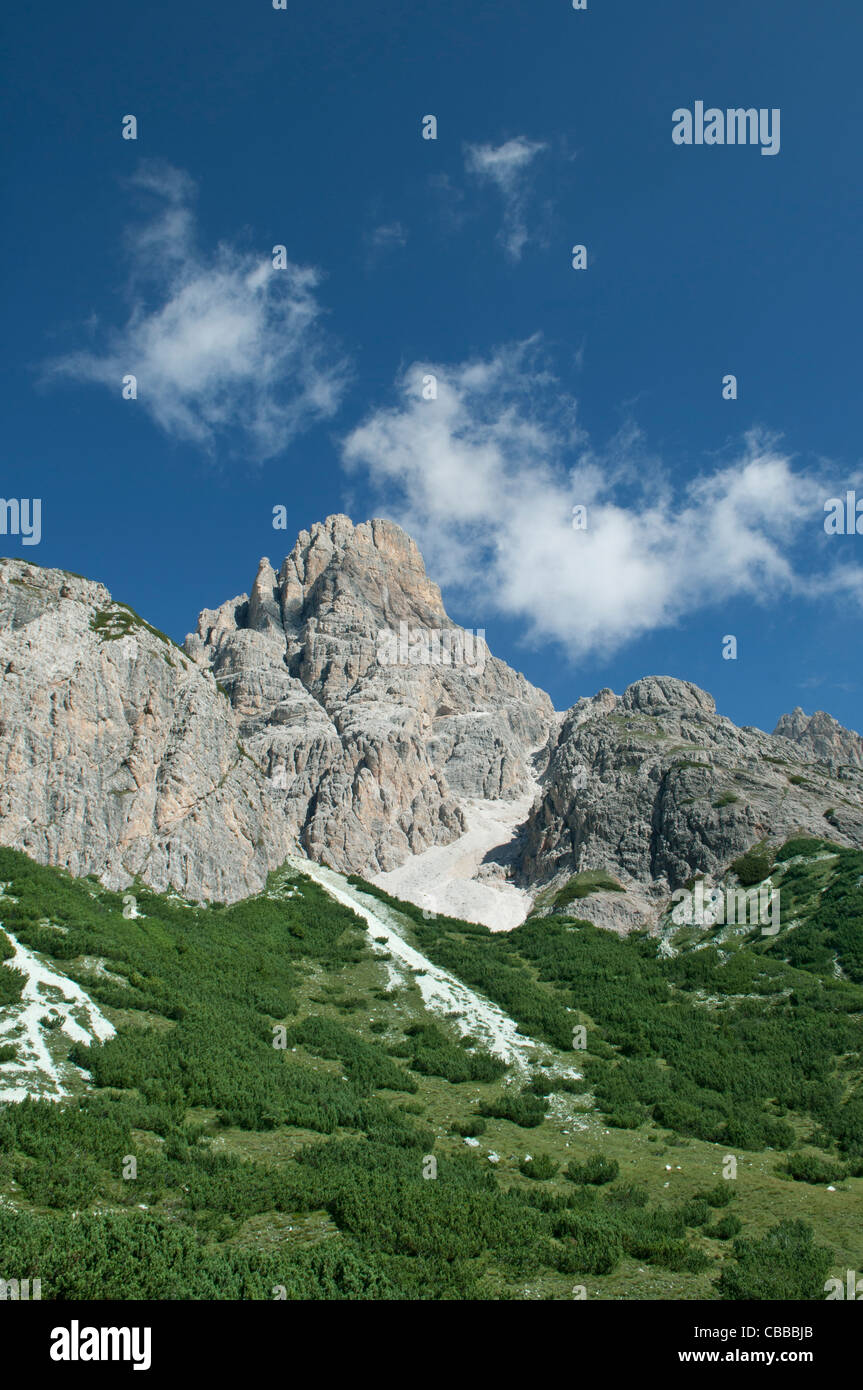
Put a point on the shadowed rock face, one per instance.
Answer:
(822, 736)
(287, 723)
(653, 786)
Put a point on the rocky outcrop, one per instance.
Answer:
(654, 786)
(821, 735)
(372, 713)
(118, 755)
(336, 711)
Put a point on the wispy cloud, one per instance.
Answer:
(507, 167)
(387, 236)
(223, 345)
(486, 477)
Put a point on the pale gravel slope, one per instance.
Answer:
(46, 993)
(441, 992)
(444, 880)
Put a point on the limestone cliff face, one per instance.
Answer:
(336, 668)
(287, 724)
(118, 755)
(821, 735)
(654, 786)
(336, 710)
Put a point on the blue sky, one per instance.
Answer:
(259, 127)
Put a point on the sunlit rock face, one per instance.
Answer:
(336, 710)
(337, 670)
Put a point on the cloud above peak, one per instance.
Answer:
(223, 345)
(487, 477)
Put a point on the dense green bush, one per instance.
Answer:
(726, 1228)
(785, 1264)
(695, 1212)
(366, 1065)
(541, 1168)
(597, 1169)
(141, 1257)
(808, 1167)
(591, 1245)
(805, 846)
(525, 1110)
(541, 1085)
(753, 867)
(12, 983)
(433, 1054)
(720, 1195)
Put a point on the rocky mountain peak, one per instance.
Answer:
(264, 612)
(363, 702)
(338, 568)
(335, 708)
(823, 736)
(652, 694)
(654, 786)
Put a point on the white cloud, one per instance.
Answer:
(507, 167)
(486, 477)
(220, 344)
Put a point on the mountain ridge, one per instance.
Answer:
(309, 717)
